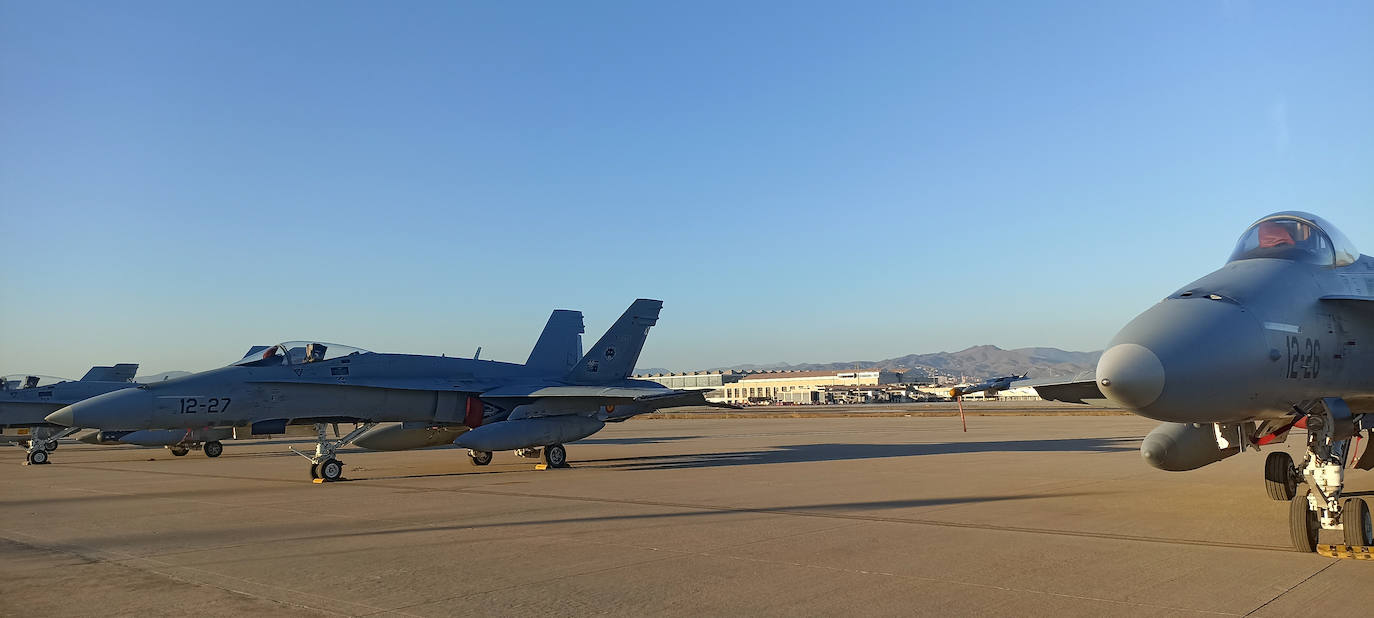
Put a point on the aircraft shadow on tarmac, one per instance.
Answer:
(854, 510)
(838, 452)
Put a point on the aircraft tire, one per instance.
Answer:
(1303, 524)
(38, 457)
(556, 456)
(314, 471)
(479, 458)
(331, 470)
(179, 451)
(1359, 530)
(213, 448)
(52, 446)
(1279, 481)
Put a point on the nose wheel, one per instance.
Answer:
(213, 448)
(1356, 523)
(42, 445)
(1280, 477)
(1303, 524)
(323, 466)
(327, 470)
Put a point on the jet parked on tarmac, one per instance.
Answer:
(1282, 336)
(543, 403)
(25, 401)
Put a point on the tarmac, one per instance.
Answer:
(871, 515)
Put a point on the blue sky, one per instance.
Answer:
(797, 181)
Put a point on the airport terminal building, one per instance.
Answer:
(781, 386)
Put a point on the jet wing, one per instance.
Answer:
(1073, 391)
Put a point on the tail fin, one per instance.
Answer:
(122, 372)
(560, 345)
(615, 354)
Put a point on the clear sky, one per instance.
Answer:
(797, 181)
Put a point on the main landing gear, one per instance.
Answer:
(479, 458)
(323, 466)
(1318, 506)
(41, 447)
(555, 456)
(213, 448)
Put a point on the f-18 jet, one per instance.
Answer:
(543, 403)
(1282, 336)
(25, 401)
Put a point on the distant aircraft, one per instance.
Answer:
(554, 398)
(25, 401)
(990, 386)
(1282, 336)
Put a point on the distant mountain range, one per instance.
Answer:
(982, 361)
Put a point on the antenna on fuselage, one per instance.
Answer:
(478, 353)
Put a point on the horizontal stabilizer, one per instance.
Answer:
(122, 372)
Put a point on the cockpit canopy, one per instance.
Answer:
(20, 381)
(297, 353)
(1297, 236)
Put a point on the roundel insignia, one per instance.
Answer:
(610, 353)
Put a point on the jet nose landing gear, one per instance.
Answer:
(1330, 427)
(323, 466)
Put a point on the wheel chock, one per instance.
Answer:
(1350, 552)
(541, 466)
(317, 481)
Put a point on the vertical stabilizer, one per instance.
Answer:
(560, 345)
(614, 356)
(122, 372)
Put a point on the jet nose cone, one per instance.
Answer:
(65, 417)
(1130, 375)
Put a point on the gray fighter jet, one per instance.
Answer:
(543, 403)
(1282, 336)
(25, 401)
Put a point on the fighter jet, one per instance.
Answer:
(25, 401)
(1281, 336)
(990, 386)
(545, 402)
